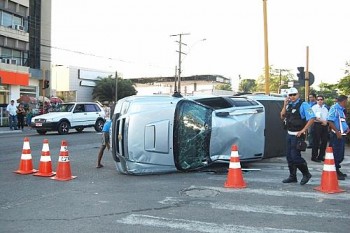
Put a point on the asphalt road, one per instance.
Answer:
(102, 200)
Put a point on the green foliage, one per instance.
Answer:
(225, 87)
(247, 85)
(105, 89)
(279, 79)
(344, 85)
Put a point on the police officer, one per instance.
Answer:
(339, 128)
(298, 117)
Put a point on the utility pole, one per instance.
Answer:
(116, 87)
(266, 46)
(179, 66)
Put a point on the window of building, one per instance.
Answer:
(17, 20)
(5, 53)
(6, 20)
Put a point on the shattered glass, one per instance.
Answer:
(192, 131)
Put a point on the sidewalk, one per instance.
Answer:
(6, 130)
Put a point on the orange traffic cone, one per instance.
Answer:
(234, 176)
(63, 172)
(329, 179)
(26, 163)
(45, 166)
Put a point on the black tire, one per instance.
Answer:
(63, 127)
(79, 129)
(41, 132)
(99, 125)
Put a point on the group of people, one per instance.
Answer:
(17, 115)
(323, 125)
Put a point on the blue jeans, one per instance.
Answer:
(338, 146)
(13, 122)
(293, 155)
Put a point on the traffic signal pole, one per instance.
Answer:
(307, 86)
(43, 88)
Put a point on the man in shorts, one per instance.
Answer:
(105, 142)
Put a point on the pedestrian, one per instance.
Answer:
(339, 129)
(312, 102)
(29, 116)
(105, 142)
(320, 132)
(298, 117)
(20, 116)
(12, 113)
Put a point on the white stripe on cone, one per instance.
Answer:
(329, 168)
(235, 165)
(26, 146)
(234, 154)
(45, 147)
(26, 156)
(329, 156)
(64, 159)
(45, 158)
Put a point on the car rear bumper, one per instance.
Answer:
(48, 126)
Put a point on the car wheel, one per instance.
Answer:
(41, 132)
(79, 129)
(63, 127)
(99, 125)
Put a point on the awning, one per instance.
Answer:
(14, 78)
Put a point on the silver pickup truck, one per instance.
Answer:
(159, 134)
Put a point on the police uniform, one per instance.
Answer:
(297, 114)
(336, 115)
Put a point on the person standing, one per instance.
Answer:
(312, 102)
(298, 116)
(339, 128)
(105, 142)
(29, 116)
(20, 116)
(12, 113)
(320, 132)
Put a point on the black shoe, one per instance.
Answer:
(343, 174)
(290, 179)
(339, 173)
(340, 177)
(305, 179)
(317, 160)
(306, 174)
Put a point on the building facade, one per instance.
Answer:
(25, 47)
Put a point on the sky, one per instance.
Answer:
(226, 37)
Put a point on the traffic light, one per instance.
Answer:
(301, 77)
(46, 84)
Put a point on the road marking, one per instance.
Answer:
(279, 193)
(280, 210)
(198, 226)
(264, 209)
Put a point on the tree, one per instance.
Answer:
(279, 79)
(247, 85)
(344, 84)
(225, 87)
(105, 89)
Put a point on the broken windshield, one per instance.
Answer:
(192, 130)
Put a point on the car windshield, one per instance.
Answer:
(192, 131)
(63, 108)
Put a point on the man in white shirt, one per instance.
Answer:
(11, 110)
(320, 132)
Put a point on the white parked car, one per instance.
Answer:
(77, 115)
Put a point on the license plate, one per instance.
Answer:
(38, 124)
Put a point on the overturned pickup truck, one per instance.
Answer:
(159, 134)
